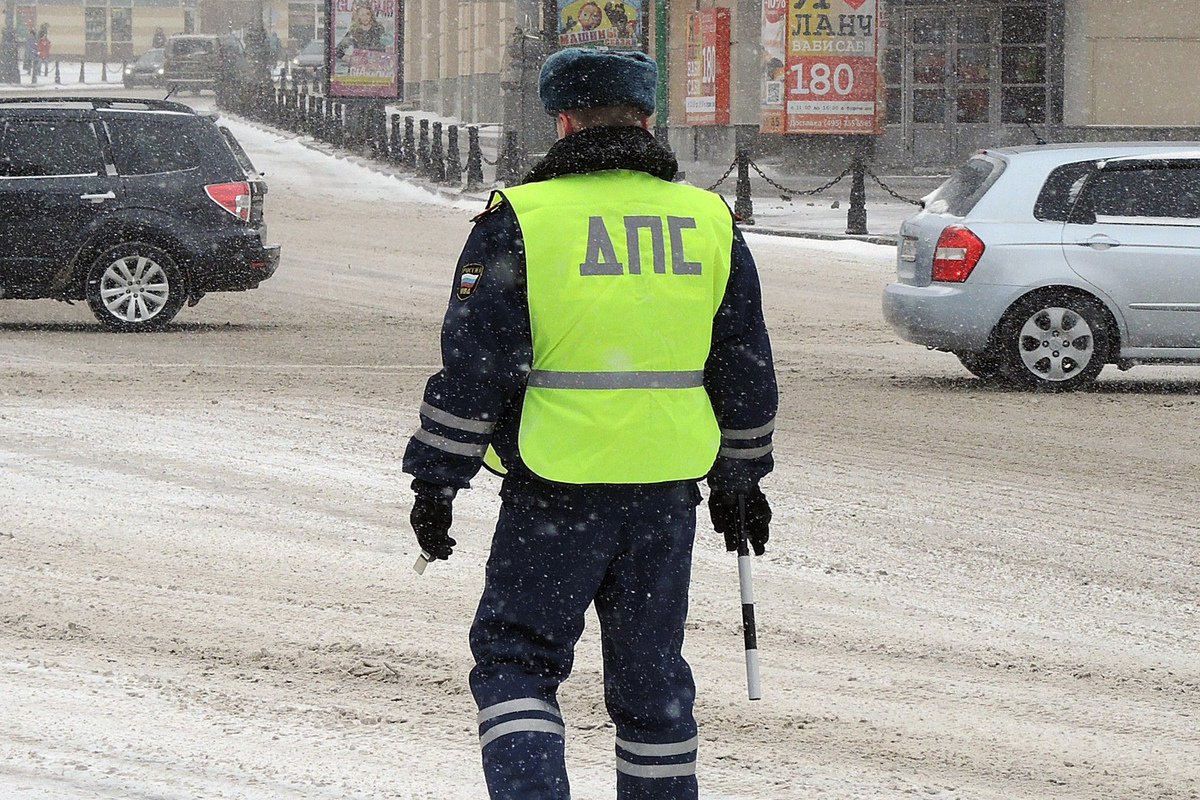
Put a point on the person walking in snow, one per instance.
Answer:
(605, 350)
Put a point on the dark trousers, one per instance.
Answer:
(555, 552)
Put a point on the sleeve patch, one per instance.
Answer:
(468, 279)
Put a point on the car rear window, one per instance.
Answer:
(962, 190)
(182, 48)
(1060, 191)
(147, 144)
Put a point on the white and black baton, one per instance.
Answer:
(746, 580)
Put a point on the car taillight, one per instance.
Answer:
(956, 254)
(233, 197)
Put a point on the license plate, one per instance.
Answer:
(908, 248)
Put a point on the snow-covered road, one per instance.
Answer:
(205, 565)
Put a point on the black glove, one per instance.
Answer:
(723, 506)
(430, 518)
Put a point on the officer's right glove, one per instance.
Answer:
(431, 518)
(723, 507)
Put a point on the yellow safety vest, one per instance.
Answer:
(625, 273)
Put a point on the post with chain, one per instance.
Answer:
(395, 153)
(474, 159)
(104, 70)
(856, 216)
(437, 156)
(408, 153)
(453, 157)
(423, 149)
(509, 168)
(743, 206)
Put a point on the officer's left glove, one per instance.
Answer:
(431, 518)
(723, 507)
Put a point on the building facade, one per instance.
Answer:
(955, 75)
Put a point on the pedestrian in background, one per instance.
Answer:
(605, 338)
(30, 52)
(160, 39)
(43, 47)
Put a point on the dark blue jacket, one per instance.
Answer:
(486, 344)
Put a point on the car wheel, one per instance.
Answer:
(986, 365)
(135, 287)
(1054, 342)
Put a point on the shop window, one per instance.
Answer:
(1023, 65)
(974, 30)
(895, 105)
(121, 33)
(302, 23)
(95, 32)
(974, 64)
(1023, 104)
(972, 104)
(929, 106)
(1021, 25)
(929, 66)
(929, 30)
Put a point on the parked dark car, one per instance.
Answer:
(146, 71)
(136, 206)
(195, 61)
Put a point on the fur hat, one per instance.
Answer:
(580, 77)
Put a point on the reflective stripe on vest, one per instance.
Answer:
(624, 275)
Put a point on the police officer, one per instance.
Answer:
(605, 344)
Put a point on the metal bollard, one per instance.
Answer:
(57, 73)
(423, 149)
(474, 159)
(81, 78)
(453, 157)
(508, 169)
(104, 71)
(743, 206)
(437, 156)
(33, 75)
(856, 215)
(408, 150)
(395, 142)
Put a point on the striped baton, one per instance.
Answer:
(746, 580)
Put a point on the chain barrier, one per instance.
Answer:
(796, 192)
(721, 179)
(892, 191)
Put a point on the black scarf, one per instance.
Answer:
(595, 149)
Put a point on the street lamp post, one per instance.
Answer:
(10, 70)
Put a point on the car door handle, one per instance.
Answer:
(99, 198)
(1099, 242)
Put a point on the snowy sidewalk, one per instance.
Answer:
(94, 74)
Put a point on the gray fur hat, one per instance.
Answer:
(581, 77)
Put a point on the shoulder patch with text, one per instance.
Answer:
(468, 279)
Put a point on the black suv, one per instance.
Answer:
(137, 206)
(203, 61)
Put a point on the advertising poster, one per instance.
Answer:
(707, 56)
(831, 78)
(774, 64)
(364, 48)
(600, 23)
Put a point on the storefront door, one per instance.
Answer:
(968, 76)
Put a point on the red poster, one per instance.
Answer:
(830, 81)
(707, 57)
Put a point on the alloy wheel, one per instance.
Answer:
(1056, 344)
(134, 289)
